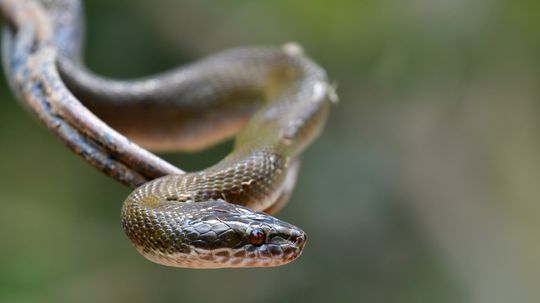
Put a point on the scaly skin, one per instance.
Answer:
(277, 99)
(252, 175)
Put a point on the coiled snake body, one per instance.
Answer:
(276, 99)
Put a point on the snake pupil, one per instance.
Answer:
(257, 237)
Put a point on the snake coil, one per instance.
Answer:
(275, 99)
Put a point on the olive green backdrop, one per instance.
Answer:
(424, 187)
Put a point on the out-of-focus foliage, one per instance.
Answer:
(424, 186)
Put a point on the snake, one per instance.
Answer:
(274, 100)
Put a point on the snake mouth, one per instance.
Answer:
(276, 252)
(221, 259)
(267, 255)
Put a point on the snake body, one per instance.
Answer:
(276, 99)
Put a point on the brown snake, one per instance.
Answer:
(275, 99)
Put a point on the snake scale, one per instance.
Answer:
(275, 99)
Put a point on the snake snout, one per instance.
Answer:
(285, 242)
(292, 237)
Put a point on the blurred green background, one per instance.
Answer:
(424, 186)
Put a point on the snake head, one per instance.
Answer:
(229, 235)
(213, 234)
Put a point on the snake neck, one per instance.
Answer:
(252, 178)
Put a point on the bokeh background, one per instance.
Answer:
(424, 187)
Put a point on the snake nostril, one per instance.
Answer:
(298, 240)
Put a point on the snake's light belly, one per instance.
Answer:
(276, 99)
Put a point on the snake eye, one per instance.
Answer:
(257, 237)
